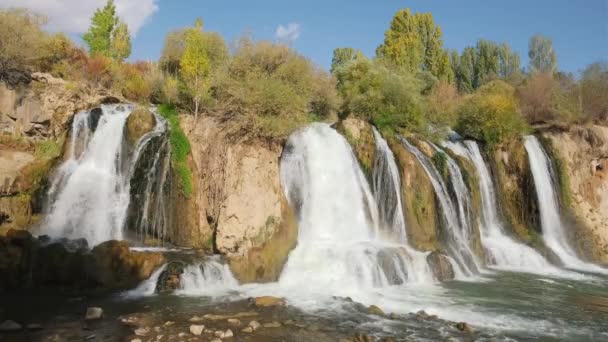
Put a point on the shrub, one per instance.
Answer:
(180, 148)
(491, 114)
(272, 89)
(21, 39)
(442, 104)
(388, 98)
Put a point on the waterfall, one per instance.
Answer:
(501, 250)
(89, 195)
(149, 183)
(456, 215)
(554, 232)
(338, 250)
(147, 287)
(387, 192)
(208, 278)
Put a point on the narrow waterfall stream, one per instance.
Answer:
(456, 217)
(90, 193)
(501, 250)
(554, 231)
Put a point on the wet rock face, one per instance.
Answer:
(361, 138)
(170, 279)
(441, 266)
(27, 262)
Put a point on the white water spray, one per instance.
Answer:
(90, 194)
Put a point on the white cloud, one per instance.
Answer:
(74, 16)
(289, 33)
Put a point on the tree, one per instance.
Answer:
(99, 35)
(21, 40)
(175, 43)
(509, 62)
(594, 87)
(194, 65)
(341, 57)
(541, 53)
(491, 115)
(414, 42)
(121, 42)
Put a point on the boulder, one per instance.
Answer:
(139, 122)
(375, 310)
(197, 330)
(170, 279)
(255, 325)
(440, 266)
(464, 327)
(93, 313)
(113, 265)
(268, 301)
(9, 326)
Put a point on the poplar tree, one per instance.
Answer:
(194, 65)
(414, 42)
(121, 42)
(541, 53)
(99, 35)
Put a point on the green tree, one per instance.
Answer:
(121, 42)
(541, 53)
(465, 70)
(509, 62)
(341, 57)
(194, 65)
(99, 35)
(414, 42)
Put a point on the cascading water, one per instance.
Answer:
(554, 232)
(148, 212)
(387, 192)
(90, 192)
(207, 278)
(456, 216)
(338, 252)
(501, 250)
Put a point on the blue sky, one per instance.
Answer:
(579, 29)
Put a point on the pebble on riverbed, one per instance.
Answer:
(197, 330)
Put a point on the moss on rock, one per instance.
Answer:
(360, 136)
(139, 122)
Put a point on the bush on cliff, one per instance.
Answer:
(388, 97)
(491, 114)
(272, 89)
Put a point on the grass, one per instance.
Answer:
(440, 160)
(180, 148)
(47, 149)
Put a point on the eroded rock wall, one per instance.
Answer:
(242, 208)
(580, 155)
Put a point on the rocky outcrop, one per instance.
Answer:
(45, 107)
(243, 212)
(580, 156)
(419, 203)
(361, 138)
(27, 262)
(516, 191)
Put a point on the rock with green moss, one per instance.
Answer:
(139, 122)
(360, 136)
